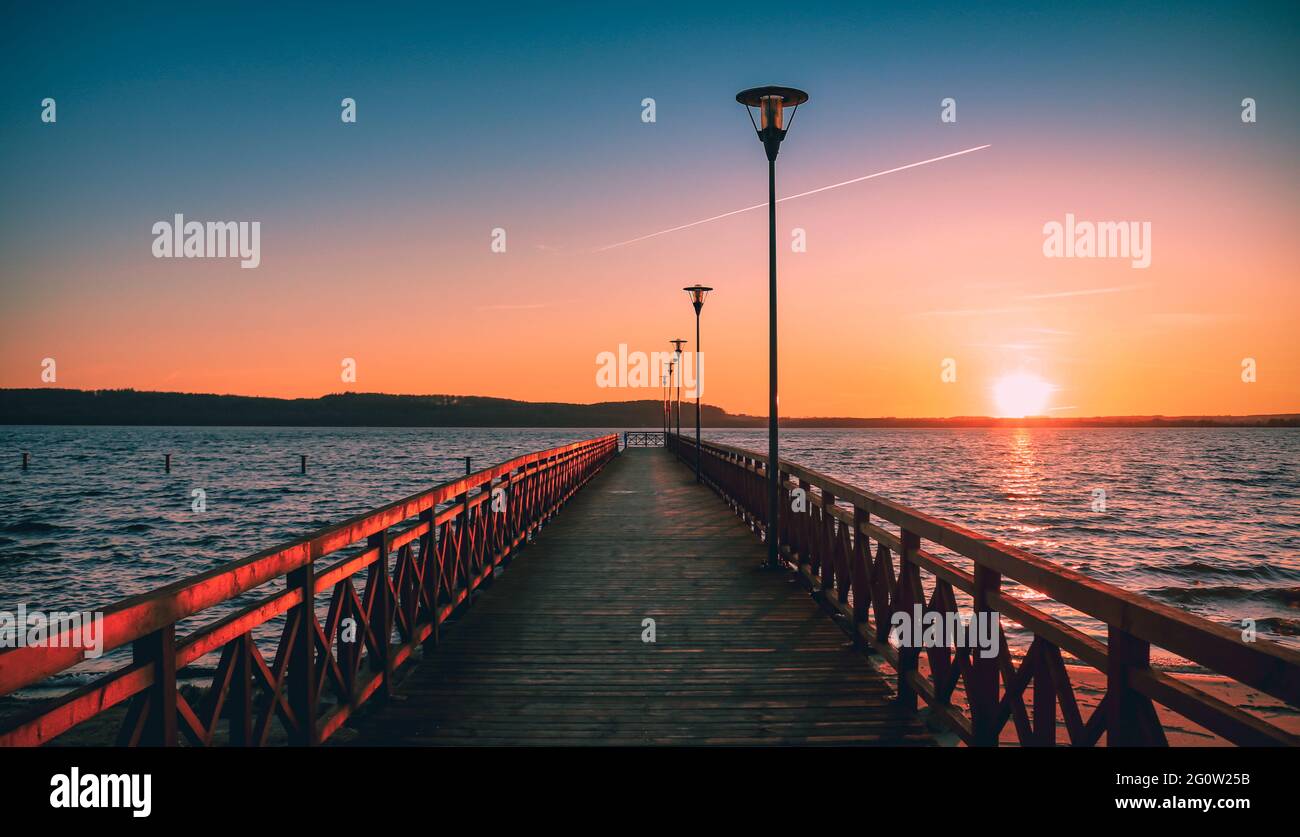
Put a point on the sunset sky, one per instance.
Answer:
(375, 236)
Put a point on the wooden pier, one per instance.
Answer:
(556, 651)
(591, 595)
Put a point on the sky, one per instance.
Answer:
(925, 292)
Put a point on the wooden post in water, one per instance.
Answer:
(303, 463)
(25, 455)
(167, 463)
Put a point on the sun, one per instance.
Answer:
(1021, 394)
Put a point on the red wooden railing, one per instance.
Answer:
(830, 545)
(423, 557)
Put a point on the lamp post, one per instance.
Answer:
(697, 294)
(677, 355)
(771, 103)
(668, 401)
(663, 401)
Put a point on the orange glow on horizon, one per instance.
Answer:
(942, 261)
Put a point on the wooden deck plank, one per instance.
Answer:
(551, 652)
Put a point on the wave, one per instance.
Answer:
(30, 526)
(1262, 572)
(1279, 625)
(1288, 596)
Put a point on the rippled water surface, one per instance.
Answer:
(1206, 520)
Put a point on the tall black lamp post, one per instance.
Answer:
(677, 355)
(771, 128)
(697, 293)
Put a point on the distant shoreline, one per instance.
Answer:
(131, 408)
(794, 424)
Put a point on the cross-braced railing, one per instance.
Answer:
(643, 439)
(829, 541)
(423, 557)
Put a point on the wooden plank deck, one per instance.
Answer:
(552, 652)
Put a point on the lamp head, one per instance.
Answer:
(771, 103)
(697, 294)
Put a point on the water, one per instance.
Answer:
(1204, 519)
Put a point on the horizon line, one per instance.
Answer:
(706, 406)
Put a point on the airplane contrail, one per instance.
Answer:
(792, 197)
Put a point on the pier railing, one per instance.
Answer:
(422, 558)
(830, 545)
(643, 439)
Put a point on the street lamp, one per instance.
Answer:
(677, 355)
(697, 294)
(771, 128)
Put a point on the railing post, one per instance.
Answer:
(1131, 720)
(859, 575)
(491, 527)
(380, 614)
(826, 544)
(464, 556)
(240, 701)
(432, 576)
(1044, 702)
(158, 649)
(982, 684)
(302, 658)
(909, 583)
(799, 531)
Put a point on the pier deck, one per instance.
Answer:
(552, 652)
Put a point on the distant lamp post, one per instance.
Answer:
(697, 294)
(771, 103)
(668, 402)
(677, 356)
(663, 402)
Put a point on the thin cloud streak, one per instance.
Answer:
(524, 306)
(971, 312)
(792, 197)
(1088, 292)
